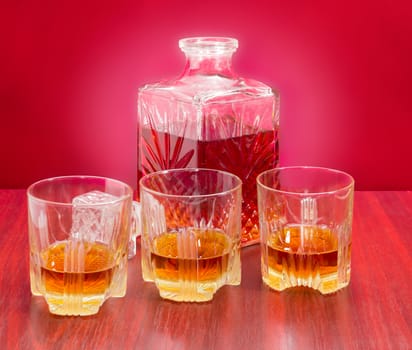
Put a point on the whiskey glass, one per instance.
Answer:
(79, 230)
(306, 227)
(191, 231)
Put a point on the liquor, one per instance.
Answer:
(245, 156)
(303, 255)
(190, 265)
(76, 292)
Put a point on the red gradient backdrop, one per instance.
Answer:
(70, 70)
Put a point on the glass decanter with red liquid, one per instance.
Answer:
(209, 117)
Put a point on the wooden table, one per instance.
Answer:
(374, 312)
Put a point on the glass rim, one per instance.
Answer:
(31, 196)
(351, 180)
(235, 187)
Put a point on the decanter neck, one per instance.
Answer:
(208, 56)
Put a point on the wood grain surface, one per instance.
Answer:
(373, 312)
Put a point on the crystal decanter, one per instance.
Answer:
(209, 117)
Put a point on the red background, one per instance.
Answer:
(70, 70)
